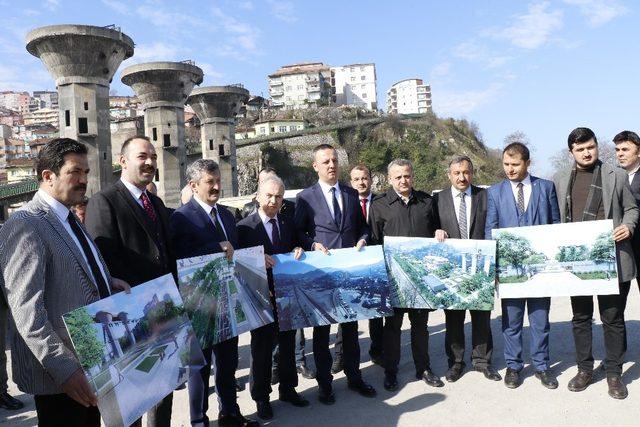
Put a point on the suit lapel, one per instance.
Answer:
(608, 185)
(346, 205)
(532, 208)
(258, 225)
(445, 204)
(135, 208)
(474, 208)
(321, 201)
(509, 200)
(635, 184)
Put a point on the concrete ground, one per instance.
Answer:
(471, 400)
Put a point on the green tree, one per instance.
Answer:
(535, 259)
(89, 348)
(572, 253)
(603, 249)
(513, 250)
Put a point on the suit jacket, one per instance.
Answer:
(449, 220)
(43, 276)
(193, 233)
(134, 250)
(502, 210)
(619, 205)
(314, 222)
(635, 190)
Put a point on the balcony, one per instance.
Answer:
(275, 92)
(275, 82)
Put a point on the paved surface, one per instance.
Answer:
(472, 399)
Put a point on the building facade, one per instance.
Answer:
(300, 86)
(269, 127)
(409, 96)
(42, 116)
(355, 85)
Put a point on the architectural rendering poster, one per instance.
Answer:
(455, 274)
(557, 260)
(223, 299)
(134, 348)
(321, 289)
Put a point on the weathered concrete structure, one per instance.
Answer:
(216, 107)
(162, 88)
(83, 60)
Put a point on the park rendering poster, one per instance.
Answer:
(223, 299)
(456, 274)
(134, 348)
(319, 289)
(557, 260)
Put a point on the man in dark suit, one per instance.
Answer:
(403, 211)
(628, 155)
(328, 217)
(361, 182)
(591, 190)
(202, 227)
(462, 210)
(131, 227)
(523, 200)
(277, 234)
(251, 207)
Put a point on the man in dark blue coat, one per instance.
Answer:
(202, 227)
(328, 216)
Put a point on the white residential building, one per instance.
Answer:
(409, 96)
(355, 84)
(300, 86)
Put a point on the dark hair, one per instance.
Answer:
(362, 167)
(322, 147)
(127, 141)
(517, 148)
(459, 159)
(51, 157)
(626, 135)
(581, 135)
(267, 169)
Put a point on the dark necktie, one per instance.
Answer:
(148, 207)
(462, 217)
(275, 235)
(520, 198)
(217, 225)
(103, 290)
(363, 204)
(337, 213)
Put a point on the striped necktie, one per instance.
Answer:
(462, 217)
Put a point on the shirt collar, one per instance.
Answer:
(265, 219)
(207, 208)
(525, 182)
(61, 211)
(368, 198)
(456, 192)
(634, 171)
(135, 191)
(401, 197)
(326, 187)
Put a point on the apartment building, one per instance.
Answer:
(43, 115)
(409, 96)
(300, 86)
(355, 85)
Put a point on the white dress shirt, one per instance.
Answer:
(267, 225)
(328, 196)
(135, 191)
(208, 208)
(632, 174)
(526, 189)
(62, 212)
(456, 203)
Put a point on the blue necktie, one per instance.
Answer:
(337, 213)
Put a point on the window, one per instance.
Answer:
(67, 118)
(352, 69)
(263, 130)
(364, 96)
(157, 178)
(353, 79)
(282, 128)
(86, 106)
(300, 87)
(83, 126)
(288, 88)
(155, 134)
(166, 139)
(211, 144)
(293, 128)
(221, 149)
(363, 77)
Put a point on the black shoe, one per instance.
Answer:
(390, 382)
(337, 366)
(377, 359)
(264, 410)
(294, 398)
(617, 389)
(363, 389)
(547, 379)
(512, 378)
(326, 397)
(306, 372)
(9, 402)
(430, 378)
(454, 373)
(489, 372)
(236, 420)
(275, 376)
(581, 381)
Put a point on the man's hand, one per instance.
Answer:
(621, 233)
(227, 248)
(297, 253)
(77, 387)
(441, 235)
(317, 246)
(120, 285)
(269, 262)
(361, 244)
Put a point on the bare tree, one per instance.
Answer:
(563, 159)
(518, 136)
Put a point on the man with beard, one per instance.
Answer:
(591, 190)
(130, 225)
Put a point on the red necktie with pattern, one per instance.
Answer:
(148, 207)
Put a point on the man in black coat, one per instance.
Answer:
(403, 211)
(277, 234)
(130, 226)
(462, 211)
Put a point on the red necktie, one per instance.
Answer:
(148, 207)
(363, 202)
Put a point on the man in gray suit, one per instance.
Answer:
(49, 266)
(588, 191)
